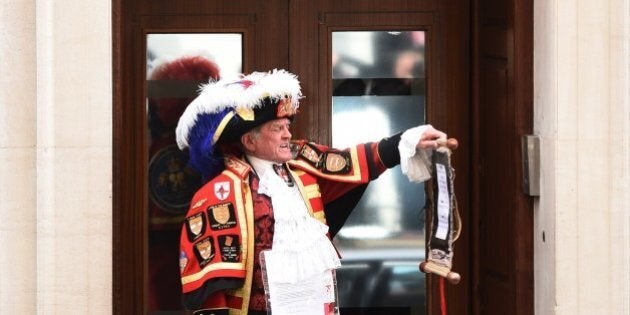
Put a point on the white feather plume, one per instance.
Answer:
(229, 93)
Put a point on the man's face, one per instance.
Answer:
(271, 143)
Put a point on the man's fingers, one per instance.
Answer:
(433, 135)
(431, 138)
(426, 144)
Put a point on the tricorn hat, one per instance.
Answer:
(228, 108)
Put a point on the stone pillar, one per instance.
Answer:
(18, 187)
(74, 157)
(582, 113)
(55, 157)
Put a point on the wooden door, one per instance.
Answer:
(461, 98)
(445, 25)
(502, 214)
(264, 46)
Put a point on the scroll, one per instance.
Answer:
(445, 223)
(315, 294)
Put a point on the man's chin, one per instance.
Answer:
(284, 157)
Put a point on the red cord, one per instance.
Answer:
(442, 296)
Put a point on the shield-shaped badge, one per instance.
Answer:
(221, 213)
(183, 261)
(221, 216)
(311, 155)
(204, 248)
(195, 224)
(222, 190)
(336, 163)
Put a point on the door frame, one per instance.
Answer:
(131, 21)
(129, 232)
(448, 57)
(502, 35)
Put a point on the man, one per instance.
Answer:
(257, 234)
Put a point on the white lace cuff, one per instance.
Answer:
(415, 163)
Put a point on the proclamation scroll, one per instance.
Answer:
(445, 222)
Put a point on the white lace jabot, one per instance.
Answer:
(260, 166)
(300, 246)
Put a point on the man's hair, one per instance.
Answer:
(255, 134)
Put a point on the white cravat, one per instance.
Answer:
(298, 269)
(299, 239)
(260, 166)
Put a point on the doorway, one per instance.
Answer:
(304, 37)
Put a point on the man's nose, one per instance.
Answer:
(286, 133)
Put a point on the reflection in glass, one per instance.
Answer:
(176, 65)
(224, 48)
(378, 80)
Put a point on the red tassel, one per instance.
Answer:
(442, 297)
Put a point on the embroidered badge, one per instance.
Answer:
(196, 226)
(204, 251)
(285, 108)
(222, 190)
(229, 248)
(199, 203)
(336, 162)
(183, 261)
(222, 216)
(311, 155)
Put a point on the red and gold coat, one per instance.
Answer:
(216, 245)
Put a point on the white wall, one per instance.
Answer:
(582, 113)
(56, 157)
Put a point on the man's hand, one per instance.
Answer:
(431, 138)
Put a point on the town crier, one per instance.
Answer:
(257, 235)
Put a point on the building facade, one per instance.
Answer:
(56, 153)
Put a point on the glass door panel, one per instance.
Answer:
(378, 89)
(176, 65)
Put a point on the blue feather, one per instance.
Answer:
(205, 158)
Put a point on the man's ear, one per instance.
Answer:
(248, 142)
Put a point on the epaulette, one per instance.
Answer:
(237, 166)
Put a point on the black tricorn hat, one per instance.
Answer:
(228, 108)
